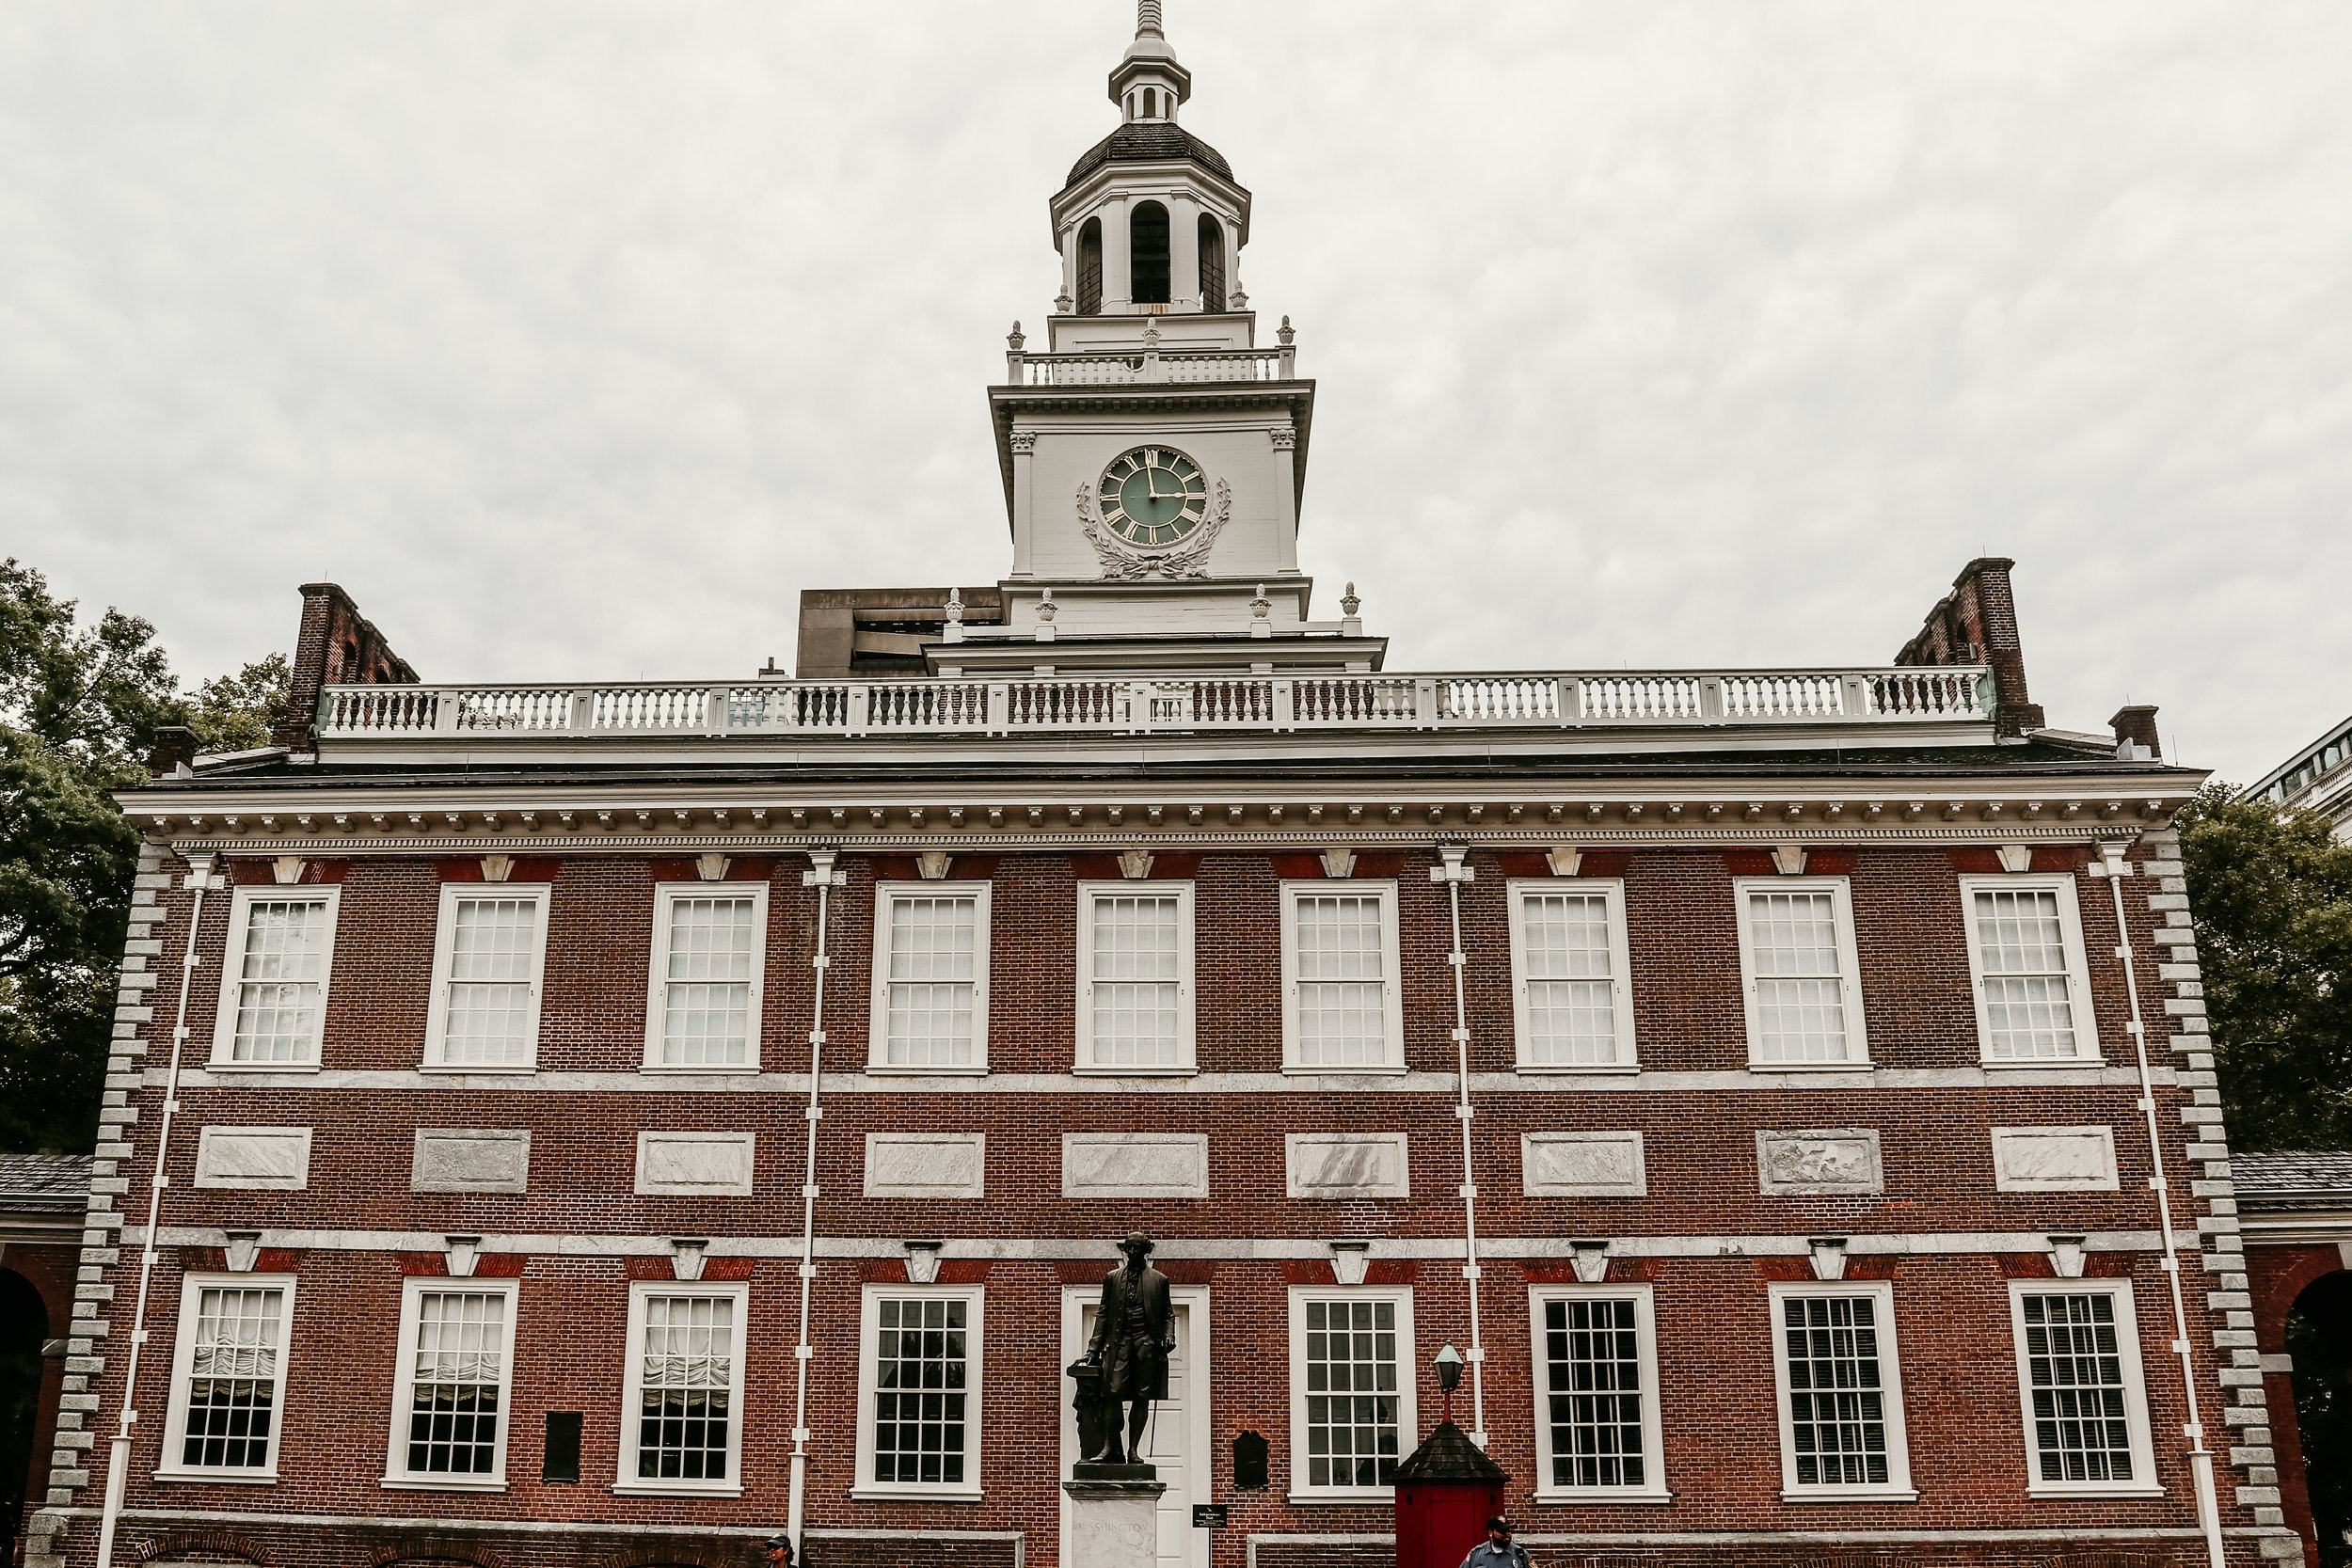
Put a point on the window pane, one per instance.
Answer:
(1836, 1405)
(707, 1000)
(1799, 1000)
(1134, 980)
(2075, 1369)
(1571, 1003)
(1593, 1393)
(1351, 1374)
(232, 1379)
(686, 1388)
(490, 978)
(459, 1362)
(1341, 989)
(2028, 1009)
(920, 1383)
(279, 977)
(932, 966)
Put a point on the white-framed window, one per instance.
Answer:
(1571, 975)
(918, 1425)
(703, 994)
(2032, 981)
(930, 978)
(490, 954)
(1341, 1009)
(1841, 1394)
(1135, 978)
(2078, 1382)
(1352, 1367)
(682, 1401)
(449, 1390)
(1801, 973)
(274, 974)
(1597, 1426)
(228, 1378)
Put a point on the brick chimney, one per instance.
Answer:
(2135, 725)
(336, 646)
(174, 747)
(1976, 624)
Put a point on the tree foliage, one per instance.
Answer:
(79, 707)
(2271, 890)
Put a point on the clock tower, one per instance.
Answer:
(1154, 455)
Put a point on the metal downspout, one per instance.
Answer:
(1453, 873)
(824, 878)
(118, 1450)
(2199, 1457)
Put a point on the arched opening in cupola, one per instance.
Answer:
(1090, 267)
(1212, 264)
(1147, 253)
(1151, 103)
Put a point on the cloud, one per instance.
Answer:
(575, 341)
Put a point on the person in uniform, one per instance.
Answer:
(1135, 1333)
(1497, 1550)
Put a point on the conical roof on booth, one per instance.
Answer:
(1449, 1456)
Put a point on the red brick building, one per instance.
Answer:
(597, 1124)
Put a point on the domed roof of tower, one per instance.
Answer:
(1149, 141)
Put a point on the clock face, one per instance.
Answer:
(1153, 496)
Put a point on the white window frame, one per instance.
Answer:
(1850, 974)
(657, 974)
(444, 946)
(626, 1482)
(1653, 1490)
(232, 965)
(2135, 1389)
(870, 1328)
(1392, 997)
(183, 1368)
(2078, 968)
(1898, 1487)
(397, 1476)
(1407, 1376)
(878, 1019)
(1186, 1063)
(1611, 890)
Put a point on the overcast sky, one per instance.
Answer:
(576, 338)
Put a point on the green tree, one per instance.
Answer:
(2272, 895)
(240, 712)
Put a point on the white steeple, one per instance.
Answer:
(1146, 83)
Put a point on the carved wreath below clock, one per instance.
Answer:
(1153, 511)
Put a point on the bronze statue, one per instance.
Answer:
(1135, 1333)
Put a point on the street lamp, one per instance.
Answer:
(1449, 1375)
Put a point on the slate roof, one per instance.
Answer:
(1149, 141)
(44, 1183)
(2286, 1183)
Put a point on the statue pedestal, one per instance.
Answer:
(1114, 1515)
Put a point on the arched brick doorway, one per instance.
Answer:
(2318, 1339)
(23, 1326)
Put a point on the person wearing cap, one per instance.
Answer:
(1497, 1550)
(779, 1550)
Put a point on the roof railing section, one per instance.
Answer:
(1152, 365)
(1166, 705)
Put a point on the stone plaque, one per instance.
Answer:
(470, 1160)
(2053, 1159)
(274, 1159)
(1348, 1164)
(1800, 1165)
(1582, 1164)
(926, 1164)
(1134, 1164)
(707, 1164)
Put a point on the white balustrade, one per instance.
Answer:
(1160, 704)
(1113, 370)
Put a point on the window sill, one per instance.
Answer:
(2040, 1064)
(894, 1070)
(1136, 1072)
(1831, 1495)
(674, 1489)
(1813, 1067)
(220, 1478)
(439, 1484)
(261, 1067)
(667, 1069)
(506, 1070)
(1290, 1072)
(1586, 1070)
(917, 1493)
(1601, 1499)
(1383, 1496)
(2092, 1494)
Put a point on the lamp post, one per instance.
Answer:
(1449, 1376)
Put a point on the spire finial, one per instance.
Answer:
(1148, 19)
